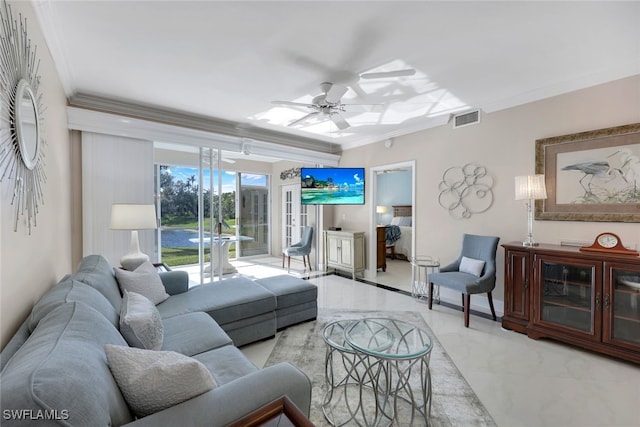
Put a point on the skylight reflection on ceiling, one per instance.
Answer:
(402, 98)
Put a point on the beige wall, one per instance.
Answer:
(504, 143)
(30, 264)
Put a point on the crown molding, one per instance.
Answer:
(192, 121)
(87, 120)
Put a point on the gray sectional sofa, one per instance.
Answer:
(55, 369)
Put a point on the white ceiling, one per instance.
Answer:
(228, 60)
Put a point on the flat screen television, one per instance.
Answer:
(332, 186)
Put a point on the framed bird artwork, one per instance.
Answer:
(591, 176)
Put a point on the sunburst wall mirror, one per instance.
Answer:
(21, 119)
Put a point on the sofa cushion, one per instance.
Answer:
(68, 290)
(144, 280)
(140, 322)
(62, 367)
(193, 333)
(226, 364)
(95, 271)
(289, 290)
(155, 380)
(226, 301)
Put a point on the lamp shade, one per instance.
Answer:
(132, 216)
(381, 209)
(530, 187)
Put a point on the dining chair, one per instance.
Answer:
(301, 248)
(474, 272)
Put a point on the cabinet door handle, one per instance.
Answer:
(607, 302)
(526, 284)
(598, 300)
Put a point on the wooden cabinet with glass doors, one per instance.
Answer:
(586, 299)
(621, 305)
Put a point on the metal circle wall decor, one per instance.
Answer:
(21, 118)
(466, 190)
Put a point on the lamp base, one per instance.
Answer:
(526, 243)
(132, 261)
(134, 258)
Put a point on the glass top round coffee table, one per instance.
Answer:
(348, 399)
(396, 356)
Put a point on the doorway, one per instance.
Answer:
(210, 215)
(294, 215)
(393, 206)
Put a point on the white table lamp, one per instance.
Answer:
(380, 209)
(530, 188)
(134, 217)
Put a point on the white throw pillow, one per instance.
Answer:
(395, 220)
(471, 266)
(140, 322)
(144, 280)
(151, 381)
(405, 221)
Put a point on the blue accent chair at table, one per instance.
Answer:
(302, 248)
(474, 272)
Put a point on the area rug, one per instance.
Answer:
(453, 401)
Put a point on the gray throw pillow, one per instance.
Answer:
(151, 381)
(140, 322)
(144, 280)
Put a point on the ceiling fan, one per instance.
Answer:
(326, 104)
(329, 104)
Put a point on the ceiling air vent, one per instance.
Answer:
(466, 119)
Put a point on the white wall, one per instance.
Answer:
(504, 143)
(30, 264)
(115, 169)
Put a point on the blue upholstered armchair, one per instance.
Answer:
(474, 272)
(302, 248)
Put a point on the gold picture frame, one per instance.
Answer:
(591, 176)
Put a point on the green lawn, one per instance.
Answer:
(189, 255)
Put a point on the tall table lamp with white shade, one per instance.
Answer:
(134, 217)
(530, 188)
(380, 209)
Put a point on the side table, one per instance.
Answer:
(346, 401)
(421, 267)
(396, 355)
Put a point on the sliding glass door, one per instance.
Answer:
(252, 221)
(210, 216)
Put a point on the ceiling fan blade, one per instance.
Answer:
(383, 74)
(303, 118)
(363, 108)
(339, 121)
(295, 104)
(335, 93)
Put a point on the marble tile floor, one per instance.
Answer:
(521, 382)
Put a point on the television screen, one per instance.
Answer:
(332, 186)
